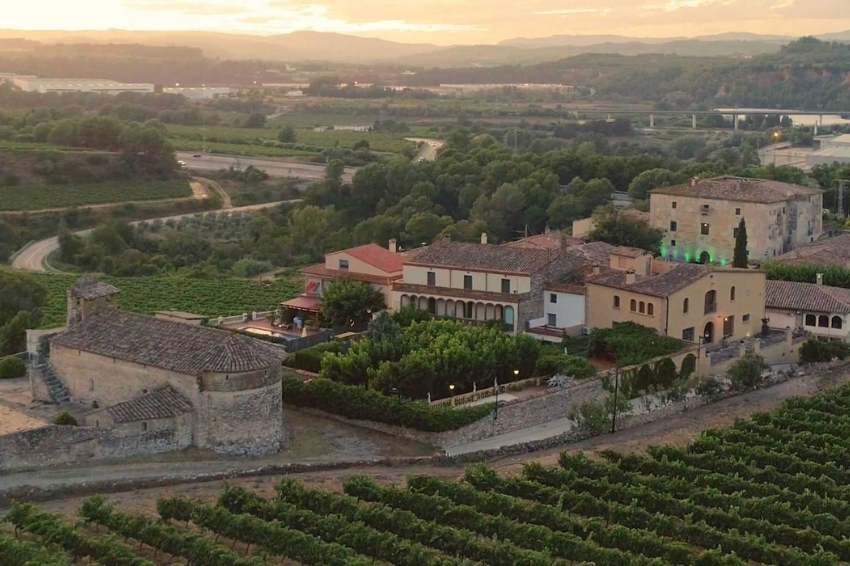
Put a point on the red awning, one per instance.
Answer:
(303, 303)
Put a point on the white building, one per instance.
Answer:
(818, 309)
(200, 93)
(31, 83)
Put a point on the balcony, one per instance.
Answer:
(466, 294)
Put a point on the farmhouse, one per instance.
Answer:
(189, 384)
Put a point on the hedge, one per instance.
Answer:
(11, 367)
(310, 359)
(356, 402)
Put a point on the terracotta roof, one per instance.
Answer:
(484, 257)
(173, 346)
(739, 189)
(320, 270)
(376, 256)
(303, 302)
(626, 251)
(790, 295)
(654, 285)
(550, 241)
(161, 403)
(828, 251)
(90, 288)
(579, 263)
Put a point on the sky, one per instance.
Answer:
(439, 21)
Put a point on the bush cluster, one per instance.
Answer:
(12, 367)
(310, 359)
(814, 350)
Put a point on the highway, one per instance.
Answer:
(274, 167)
(429, 150)
(34, 258)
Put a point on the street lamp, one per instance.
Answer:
(452, 392)
(616, 388)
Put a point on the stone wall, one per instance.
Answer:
(246, 423)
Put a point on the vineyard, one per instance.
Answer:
(18, 198)
(771, 490)
(222, 296)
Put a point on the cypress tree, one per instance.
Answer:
(740, 257)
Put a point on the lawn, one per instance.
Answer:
(223, 296)
(21, 198)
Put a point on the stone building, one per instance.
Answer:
(700, 219)
(195, 385)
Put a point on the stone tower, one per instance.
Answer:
(87, 296)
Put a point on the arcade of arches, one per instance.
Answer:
(467, 310)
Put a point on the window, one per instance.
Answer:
(144, 427)
(674, 204)
(553, 298)
(685, 305)
(823, 321)
(811, 320)
(732, 293)
(650, 309)
(642, 307)
(432, 306)
(836, 322)
(634, 305)
(710, 302)
(616, 301)
(467, 282)
(688, 334)
(745, 318)
(672, 243)
(703, 229)
(468, 311)
(729, 326)
(734, 232)
(553, 320)
(737, 212)
(432, 279)
(343, 265)
(506, 285)
(673, 225)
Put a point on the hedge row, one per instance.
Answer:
(360, 403)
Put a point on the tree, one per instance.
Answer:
(255, 120)
(286, 134)
(740, 257)
(652, 179)
(334, 171)
(12, 367)
(347, 303)
(746, 372)
(19, 292)
(621, 230)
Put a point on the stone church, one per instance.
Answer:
(171, 384)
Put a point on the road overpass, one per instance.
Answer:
(735, 113)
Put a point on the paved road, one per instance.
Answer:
(530, 434)
(34, 257)
(274, 167)
(429, 150)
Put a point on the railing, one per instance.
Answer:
(222, 320)
(489, 392)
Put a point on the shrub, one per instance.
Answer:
(689, 366)
(629, 344)
(815, 350)
(310, 359)
(248, 267)
(591, 416)
(360, 403)
(746, 372)
(12, 367)
(65, 419)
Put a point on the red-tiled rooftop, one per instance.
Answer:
(485, 257)
(739, 189)
(549, 241)
(792, 295)
(320, 270)
(378, 257)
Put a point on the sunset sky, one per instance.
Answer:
(440, 21)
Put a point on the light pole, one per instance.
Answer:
(452, 391)
(616, 388)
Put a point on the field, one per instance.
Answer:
(207, 297)
(770, 490)
(19, 198)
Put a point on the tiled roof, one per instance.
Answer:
(320, 270)
(161, 403)
(165, 344)
(579, 263)
(376, 256)
(739, 189)
(550, 241)
(654, 285)
(626, 251)
(829, 251)
(90, 288)
(790, 295)
(484, 257)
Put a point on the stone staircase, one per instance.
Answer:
(44, 370)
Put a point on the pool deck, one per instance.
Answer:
(265, 328)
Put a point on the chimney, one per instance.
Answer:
(630, 277)
(820, 278)
(483, 237)
(563, 243)
(596, 269)
(694, 181)
(393, 247)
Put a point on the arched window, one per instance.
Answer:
(509, 315)
(650, 309)
(686, 304)
(823, 321)
(732, 293)
(711, 301)
(811, 320)
(616, 301)
(432, 305)
(470, 309)
(642, 307)
(633, 305)
(836, 322)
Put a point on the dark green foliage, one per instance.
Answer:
(360, 403)
(646, 378)
(12, 367)
(408, 315)
(310, 359)
(622, 230)
(746, 372)
(741, 253)
(814, 350)
(65, 419)
(629, 344)
(551, 363)
(349, 304)
(689, 366)
(665, 373)
(806, 273)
